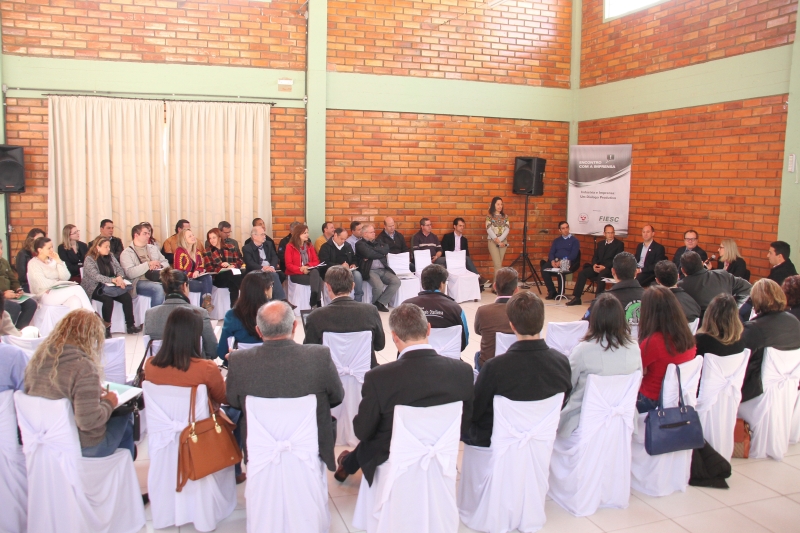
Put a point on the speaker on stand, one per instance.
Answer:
(12, 179)
(529, 181)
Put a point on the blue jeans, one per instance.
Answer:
(277, 287)
(119, 434)
(152, 290)
(645, 404)
(235, 414)
(202, 285)
(478, 361)
(358, 293)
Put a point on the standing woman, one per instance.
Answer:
(300, 256)
(188, 260)
(219, 255)
(47, 270)
(25, 255)
(497, 227)
(72, 251)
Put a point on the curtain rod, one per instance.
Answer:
(152, 96)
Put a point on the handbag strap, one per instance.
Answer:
(191, 405)
(680, 391)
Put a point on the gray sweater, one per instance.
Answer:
(91, 276)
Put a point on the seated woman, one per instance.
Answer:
(791, 288)
(101, 268)
(219, 255)
(664, 338)
(772, 327)
(25, 255)
(300, 257)
(72, 251)
(721, 332)
(21, 313)
(47, 270)
(176, 288)
(730, 259)
(240, 321)
(68, 365)
(189, 260)
(180, 363)
(607, 350)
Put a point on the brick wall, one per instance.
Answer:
(26, 125)
(679, 33)
(714, 168)
(220, 32)
(520, 42)
(409, 165)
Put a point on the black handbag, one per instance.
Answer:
(113, 292)
(672, 429)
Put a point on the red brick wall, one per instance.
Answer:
(679, 33)
(520, 43)
(714, 168)
(288, 159)
(410, 166)
(220, 32)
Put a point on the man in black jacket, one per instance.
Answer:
(600, 268)
(440, 310)
(259, 256)
(667, 275)
(395, 240)
(648, 253)
(375, 269)
(419, 378)
(690, 238)
(455, 242)
(703, 285)
(781, 267)
(337, 251)
(627, 290)
(343, 314)
(107, 230)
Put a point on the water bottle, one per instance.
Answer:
(565, 265)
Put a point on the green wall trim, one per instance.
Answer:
(316, 115)
(789, 217)
(752, 75)
(405, 94)
(575, 68)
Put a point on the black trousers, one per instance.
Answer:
(589, 273)
(21, 313)
(228, 280)
(313, 280)
(108, 305)
(547, 277)
(350, 462)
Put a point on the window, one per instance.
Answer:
(618, 8)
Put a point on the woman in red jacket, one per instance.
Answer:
(300, 259)
(189, 260)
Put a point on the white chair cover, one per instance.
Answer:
(446, 341)
(204, 502)
(221, 300)
(194, 299)
(422, 258)
(693, 325)
(415, 490)
(770, 414)
(409, 287)
(502, 342)
(13, 475)
(287, 482)
(661, 475)
(366, 288)
(794, 433)
(565, 336)
(718, 401)
(352, 354)
(241, 345)
(47, 316)
(140, 306)
(462, 285)
(73, 493)
(114, 360)
(591, 468)
(503, 487)
(26, 345)
(298, 295)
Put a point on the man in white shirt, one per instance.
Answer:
(648, 253)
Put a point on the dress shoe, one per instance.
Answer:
(241, 478)
(341, 475)
(133, 330)
(574, 301)
(382, 308)
(550, 296)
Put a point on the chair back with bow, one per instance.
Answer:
(504, 486)
(285, 475)
(462, 285)
(422, 258)
(204, 502)
(352, 355)
(591, 468)
(446, 341)
(14, 484)
(719, 397)
(114, 360)
(565, 336)
(415, 490)
(693, 325)
(502, 342)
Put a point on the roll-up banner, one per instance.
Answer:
(599, 188)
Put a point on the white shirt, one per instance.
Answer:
(415, 347)
(645, 249)
(338, 246)
(458, 242)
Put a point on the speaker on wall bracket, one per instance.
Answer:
(529, 176)
(12, 169)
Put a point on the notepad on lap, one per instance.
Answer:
(125, 393)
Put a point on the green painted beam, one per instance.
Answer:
(316, 114)
(789, 218)
(575, 68)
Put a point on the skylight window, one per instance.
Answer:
(619, 8)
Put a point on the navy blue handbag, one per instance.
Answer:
(672, 429)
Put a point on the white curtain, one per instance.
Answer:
(218, 165)
(105, 160)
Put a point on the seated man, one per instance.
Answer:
(600, 267)
(225, 229)
(565, 246)
(260, 255)
(142, 263)
(702, 285)
(171, 244)
(491, 319)
(648, 253)
(529, 371)
(343, 314)
(356, 228)
(690, 238)
(455, 242)
(440, 310)
(667, 275)
(19, 314)
(327, 233)
(260, 222)
(107, 231)
(419, 378)
(281, 368)
(781, 267)
(425, 240)
(375, 269)
(337, 251)
(389, 235)
(627, 290)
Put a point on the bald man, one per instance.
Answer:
(394, 239)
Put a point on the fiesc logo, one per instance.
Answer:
(583, 218)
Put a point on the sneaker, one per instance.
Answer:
(574, 301)
(207, 303)
(382, 308)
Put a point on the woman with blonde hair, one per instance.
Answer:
(730, 259)
(24, 256)
(188, 259)
(67, 364)
(721, 332)
(46, 271)
(72, 251)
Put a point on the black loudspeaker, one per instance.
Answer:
(12, 169)
(529, 176)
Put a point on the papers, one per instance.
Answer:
(114, 284)
(23, 297)
(234, 271)
(62, 285)
(609, 280)
(405, 275)
(557, 270)
(125, 393)
(317, 266)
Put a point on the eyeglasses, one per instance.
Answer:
(687, 239)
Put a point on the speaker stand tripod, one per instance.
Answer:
(524, 259)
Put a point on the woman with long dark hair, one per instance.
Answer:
(664, 338)
(25, 255)
(240, 322)
(721, 332)
(219, 255)
(497, 228)
(300, 259)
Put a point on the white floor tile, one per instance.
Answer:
(682, 503)
(346, 505)
(742, 490)
(148, 528)
(349, 487)
(719, 521)
(665, 526)
(560, 521)
(337, 524)
(780, 515)
(795, 497)
(792, 460)
(794, 449)
(638, 513)
(775, 475)
(235, 523)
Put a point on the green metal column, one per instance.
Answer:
(315, 113)
(789, 219)
(575, 68)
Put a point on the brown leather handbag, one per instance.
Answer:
(206, 446)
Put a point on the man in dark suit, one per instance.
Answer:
(419, 378)
(455, 242)
(600, 268)
(667, 275)
(281, 368)
(343, 314)
(529, 371)
(690, 239)
(260, 256)
(703, 285)
(781, 267)
(374, 268)
(648, 253)
(393, 238)
(337, 251)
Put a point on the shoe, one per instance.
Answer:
(207, 303)
(241, 478)
(108, 333)
(341, 475)
(133, 330)
(382, 308)
(483, 281)
(145, 498)
(550, 296)
(574, 301)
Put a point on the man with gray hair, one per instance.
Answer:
(375, 269)
(260, 256)
(281, 368)
(419, 378)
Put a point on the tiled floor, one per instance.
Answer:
(764, 495)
